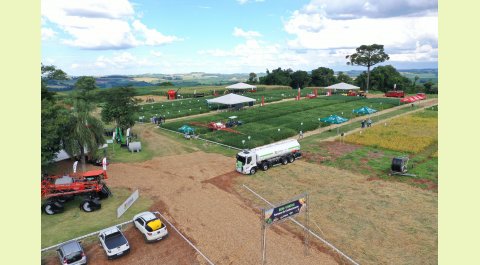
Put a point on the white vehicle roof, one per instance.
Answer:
(110, 230)
(147, 216)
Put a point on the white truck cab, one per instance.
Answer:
(246, 162)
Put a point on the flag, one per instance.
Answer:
(113, 135)
(104, 163)
(128, 132)
(394, 86)
(75, 166)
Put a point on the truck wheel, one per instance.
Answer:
(291, 159)
(264, 166)
(284, 161)
(253, 171)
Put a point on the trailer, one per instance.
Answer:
(57, 190)
(264, 157)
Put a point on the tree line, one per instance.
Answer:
(380, 78)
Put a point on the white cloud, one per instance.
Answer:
(48, 33)
(152, 37)
(238, 32)
(403, 37)
(349, 9)
(121, 61)
(246, 1)
(95, 24)
(156, 53)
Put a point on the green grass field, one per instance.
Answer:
(374, 161)
(262, 124)
(74, 222)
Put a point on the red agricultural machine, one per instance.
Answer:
(57, 190)
(395, 94)
(360, 93)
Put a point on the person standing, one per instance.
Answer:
(369, 122)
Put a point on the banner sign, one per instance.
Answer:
(285, 210)
(124, 207)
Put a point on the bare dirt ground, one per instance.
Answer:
(155, 97)
(225, 228)
(374, 222)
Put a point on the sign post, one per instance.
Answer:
(283, 212)
(128, 202)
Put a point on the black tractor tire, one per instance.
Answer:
(65, 199)
(52, 207)
(291, 159)
(104, 192)
(253, 171)
(284, 161)
(265, 166)
(89, 206)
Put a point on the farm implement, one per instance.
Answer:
(215, 126)
(57, 190)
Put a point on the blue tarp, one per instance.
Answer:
(186, 129)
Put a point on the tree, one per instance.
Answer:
(84, 88)
(252, 78)
(120, 107)
(323, 77)
(342, 77)
(53, 116)
(368, 55)
(83, 131)
(277, 77)
(383, 78)
(300, 79)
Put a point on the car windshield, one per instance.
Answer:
(76, 256)
(241, 159)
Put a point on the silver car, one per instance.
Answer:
(71, 253)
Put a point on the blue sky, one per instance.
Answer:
(90, 37)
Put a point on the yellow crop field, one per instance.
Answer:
(412, 133)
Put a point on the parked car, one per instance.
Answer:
(150, 226)
(114, 242)
(71, 253)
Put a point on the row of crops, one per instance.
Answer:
(263, 125)
(193, 106)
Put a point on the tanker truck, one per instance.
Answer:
(264, 157)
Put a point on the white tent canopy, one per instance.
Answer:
(231, 99)
(242, 86)
(343, 86)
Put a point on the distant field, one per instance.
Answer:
(192, 106)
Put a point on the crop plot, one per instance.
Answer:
(279, 121)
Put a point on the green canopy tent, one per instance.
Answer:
(333, 119)
(186, 129)
(364, 110)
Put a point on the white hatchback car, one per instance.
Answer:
(150, 226)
